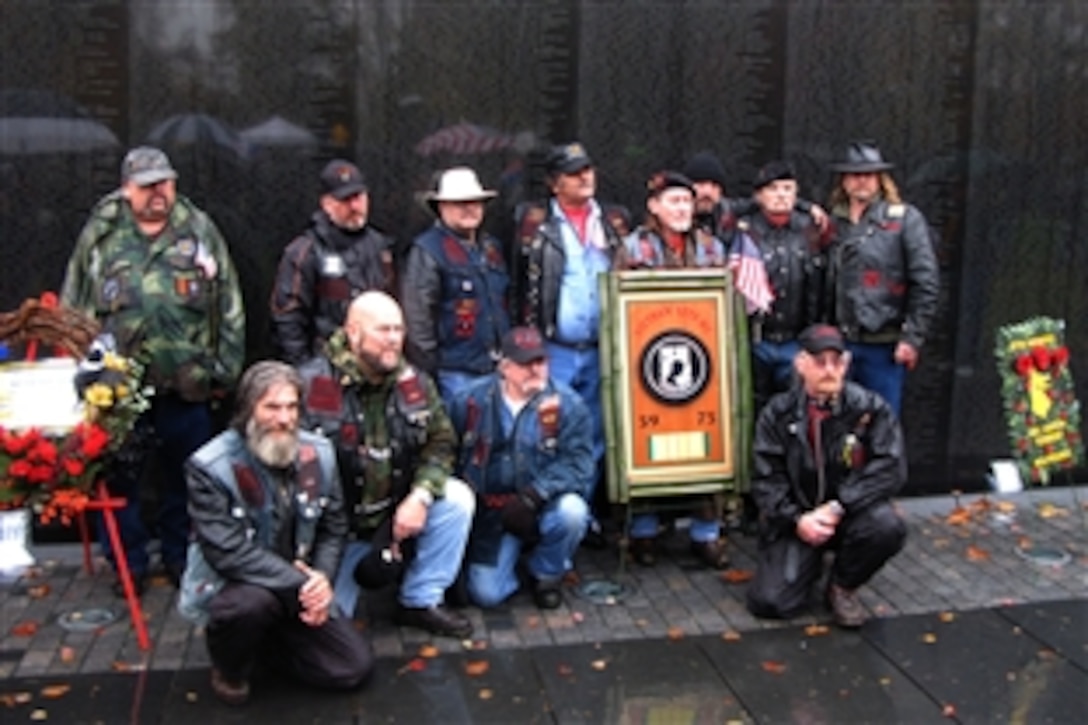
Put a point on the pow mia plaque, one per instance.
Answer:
(675, 367)
(671, 379)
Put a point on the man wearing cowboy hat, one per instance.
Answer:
(883, 277)
(455, 286)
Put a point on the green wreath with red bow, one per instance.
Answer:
(1042, 412)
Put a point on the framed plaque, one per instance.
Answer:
(39, 394)
(675, 394)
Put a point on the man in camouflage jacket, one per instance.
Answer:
(154, 270)
(395, 449)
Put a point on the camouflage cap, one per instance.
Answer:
(146, 165)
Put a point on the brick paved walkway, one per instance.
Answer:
(945, 566)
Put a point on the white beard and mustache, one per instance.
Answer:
(274, 448)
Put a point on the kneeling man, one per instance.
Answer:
(269, 526)
(527, 450)
(828, 458)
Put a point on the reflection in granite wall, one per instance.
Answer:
(250, 98)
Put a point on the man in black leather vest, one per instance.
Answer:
(339, 256)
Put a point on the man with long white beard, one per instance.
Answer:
(269, 528)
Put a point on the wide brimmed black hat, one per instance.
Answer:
(862, 157)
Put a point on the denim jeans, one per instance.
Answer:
(562, 525)
(440, 547)
(581, 370)
(873, 366)
(645, 526)
(451, 382)
(180, 428)
(773, 369)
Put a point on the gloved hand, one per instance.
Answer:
(520, 514)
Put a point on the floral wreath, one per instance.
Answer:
(1042, 413)
(55, 475)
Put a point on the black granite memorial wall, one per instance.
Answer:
(979, 102)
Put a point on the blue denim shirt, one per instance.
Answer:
(579, 314)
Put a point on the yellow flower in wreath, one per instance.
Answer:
(112, 361)
(99, 395)
(1039, 394)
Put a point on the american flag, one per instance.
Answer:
(749, 274)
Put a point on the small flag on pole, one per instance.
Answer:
(749, 274)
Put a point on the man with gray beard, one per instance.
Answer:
(268, 533)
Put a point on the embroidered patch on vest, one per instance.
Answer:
(324, 396)
(410, 388)
(454, 251)
(249, 486)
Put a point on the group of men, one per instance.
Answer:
(450, 444)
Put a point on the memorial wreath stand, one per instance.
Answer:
(44, 321)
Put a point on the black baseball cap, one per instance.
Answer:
(523, 345)
(818, 338)
(342, 179)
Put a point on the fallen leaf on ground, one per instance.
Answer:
(1006, 507)
(578, 617)
(1048, 510)
(1024, 542)
(11, 699)
(571, 578)
(38, 591)
(428, 651)
(731, 635)
(533, 622)
(486, 694)
(39, 715)
(958, 517)
(946, 616)
(949, 711)
(941, 543)
(815, 630)
(416, 664)
(67, 654)
(974, 553)
(24, 629)
(565, 670)
(475, 668)
(774, 667)
(737, 576)
(52, 692)
(885, 681)
(191, 696)
(675, 633)
(599, 665)
(929, 638)
(982, 505)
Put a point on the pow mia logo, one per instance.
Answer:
(675, 367)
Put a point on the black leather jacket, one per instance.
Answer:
(795, 267)
(883, 276)
(864, 461)
(538, 259)
(319, 274)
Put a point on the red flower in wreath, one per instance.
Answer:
(1041, 356)
(1061, 356)
(1023, 365)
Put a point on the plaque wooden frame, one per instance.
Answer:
(676, 388)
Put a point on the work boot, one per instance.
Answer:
(711, 553)
(232, 692)
(437, 620)
(846, 608)
(547, 595)
(643, 551)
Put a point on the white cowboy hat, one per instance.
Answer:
(458, 184)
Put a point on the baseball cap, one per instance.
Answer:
(568, 159)
(523, 345)
(342, 179)
(818, 338)
(146, 165)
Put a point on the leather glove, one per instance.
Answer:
(519, 516)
